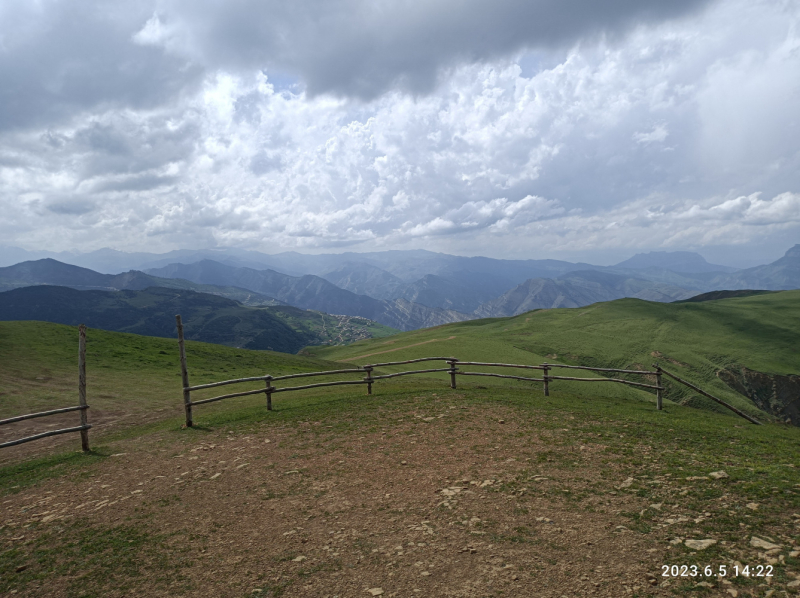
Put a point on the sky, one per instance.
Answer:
(568, 129)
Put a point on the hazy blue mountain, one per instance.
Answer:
(445, 293)
(576, 289)
(782, 274)
(365, 279)
(676, 261)
(313, 292)
(53, 272)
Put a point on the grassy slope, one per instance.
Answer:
(130, 373)
(759, 332)
(126, 373)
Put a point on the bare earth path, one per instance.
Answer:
(442, 501)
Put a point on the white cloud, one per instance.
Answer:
(496, 159)
(658, 134)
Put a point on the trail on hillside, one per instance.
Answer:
(433, 340)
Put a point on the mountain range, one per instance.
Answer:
(407, 290)
(206, 317)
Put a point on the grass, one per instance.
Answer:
(663, 452)
(95, 561)
(126, 373)
(695, 340)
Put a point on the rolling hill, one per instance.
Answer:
(742, 349)
(206, 317)
(53, 272)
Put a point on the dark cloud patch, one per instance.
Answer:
(364, 48)
(263, 163)
(71, 207)
(62, 58)
(145, 182)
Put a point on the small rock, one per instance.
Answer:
(704, 584)
(215, 476)
(757, 542)
(502, 421)
(699, 544)
(375, 591)
(753, 506)
(733, 592)
(718, 475)
(793, 584)
(657, 506)
(425, 574)
(403, 462)
(626, 483)
(298, 559)
(794, 554)
(21, 568)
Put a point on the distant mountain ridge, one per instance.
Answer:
(206, 317)
(577, 289)
(677, 261)
(313, 292)
(53, 272)
(407, 290)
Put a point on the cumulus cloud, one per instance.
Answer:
(632, 137)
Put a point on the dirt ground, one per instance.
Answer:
(447, 501)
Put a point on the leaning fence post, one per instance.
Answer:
(187, 395)
(659, 395)
(368, 378)
(546, 381)
(268, 380)
(82, 387)
(452, 363)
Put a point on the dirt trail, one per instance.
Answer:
(433, 340)
(444, 502)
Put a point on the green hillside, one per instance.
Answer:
(697, 341)
(128, 375)
(208, 318)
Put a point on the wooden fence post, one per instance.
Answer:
(546, 381)
(268, 380)
(368, 378)
(452, 363)
(659, 395)
(82, 387)
(187, 395)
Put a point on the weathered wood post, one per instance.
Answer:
(187, 395)
(452, 363)
(269, 390)
(546, 381)
(368, 378)
(659, 395)
(82, 387)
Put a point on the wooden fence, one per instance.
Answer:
(81, 406)
(453, 368)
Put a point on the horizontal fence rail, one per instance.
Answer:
(80, 429)
(20, 418)
(82, 406)
(454, 369)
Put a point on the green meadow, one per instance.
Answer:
(134, 389)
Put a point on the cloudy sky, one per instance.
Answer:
(570, 129)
